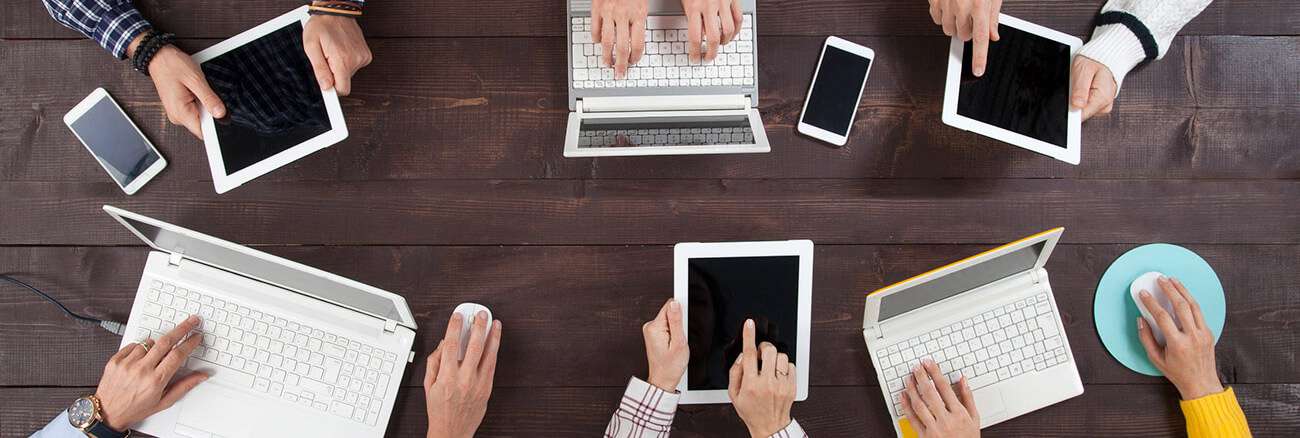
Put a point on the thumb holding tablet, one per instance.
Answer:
(1092, 87)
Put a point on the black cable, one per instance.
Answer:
(112, 326)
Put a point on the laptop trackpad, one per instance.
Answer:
(207, 412)
(990, 404)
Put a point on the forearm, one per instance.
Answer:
(644, 411)
(1132, 31)
(1215, 415)
(114, 24)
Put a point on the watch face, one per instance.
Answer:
(81, 412)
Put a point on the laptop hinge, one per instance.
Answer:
(174, 258)
(1033, 275)
(390, 326)
(664, 103)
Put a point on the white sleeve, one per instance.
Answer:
(59, 428)
(1117, 46)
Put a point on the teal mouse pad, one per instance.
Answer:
(1116, 315)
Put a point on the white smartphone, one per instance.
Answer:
(114, 141)
(836, 90)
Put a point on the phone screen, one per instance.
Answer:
(835, 90)
(114, 141)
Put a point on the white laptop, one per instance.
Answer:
(291, 350)
(666, 105)
(991, 318)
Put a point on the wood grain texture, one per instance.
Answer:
(590, 301)
(540, 212)
(412, 18)
(829, 412)
(414, 119)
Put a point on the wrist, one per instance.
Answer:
(767, 430)
(669, 385)
(108, 415)
(1193, 391)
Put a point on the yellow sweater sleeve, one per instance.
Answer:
(1215, 415)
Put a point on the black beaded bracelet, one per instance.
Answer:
(144, 53)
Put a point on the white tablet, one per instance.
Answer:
(1023, 98)
(275, 110)
(722, 285)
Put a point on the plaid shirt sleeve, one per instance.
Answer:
(111, 23)
(644, 412)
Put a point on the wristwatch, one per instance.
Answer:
(84, 414)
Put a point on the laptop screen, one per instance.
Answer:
(664, 131)
(266, 269)
(954, 283)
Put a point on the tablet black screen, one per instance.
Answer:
(1025, 87)
(723, 292)
(272, 99)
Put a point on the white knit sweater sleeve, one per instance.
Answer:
(1115, 46)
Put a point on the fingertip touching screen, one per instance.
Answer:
(272, 99)
(116, 143)
(724, 292)
(835, 90)
(1024, 89)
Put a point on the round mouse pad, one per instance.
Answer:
(1116, 315)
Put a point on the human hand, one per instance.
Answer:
(1093, 87)
(970, 20)
(182, 88)
(762, 396)
(137, 381)
(456, 392)
(337, 49)
(1187, 358)
(717, 21)
(619, 27)
(934, 409)
(665, 347)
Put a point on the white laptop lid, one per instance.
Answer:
(953, 279)
(267, 268)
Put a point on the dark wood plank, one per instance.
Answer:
(413, 119)
(591, 308)
(621, 212)
(1103, 410)
(411, 18)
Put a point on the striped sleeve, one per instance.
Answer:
(644, 411)
(111, 23)
(793, 430)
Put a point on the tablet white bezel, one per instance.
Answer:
(339, 130)
(683, 252)
(1069, 154)
(815, 131)
(89, 102)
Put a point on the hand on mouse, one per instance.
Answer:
(456, 392)
(934, 409)
(1187, 358)
(1092, 87)
(762, 396)
(665, 347)
(970, 20)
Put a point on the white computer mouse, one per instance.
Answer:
(467, 312)
(1148, 283)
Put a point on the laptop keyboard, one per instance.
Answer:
(1018, 338)
(273, 355)
(665, 62)
(601, 138)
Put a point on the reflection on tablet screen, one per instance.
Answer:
(723, 292)
(1025, 88)
(272, 99)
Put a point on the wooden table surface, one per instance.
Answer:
(452, 188)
